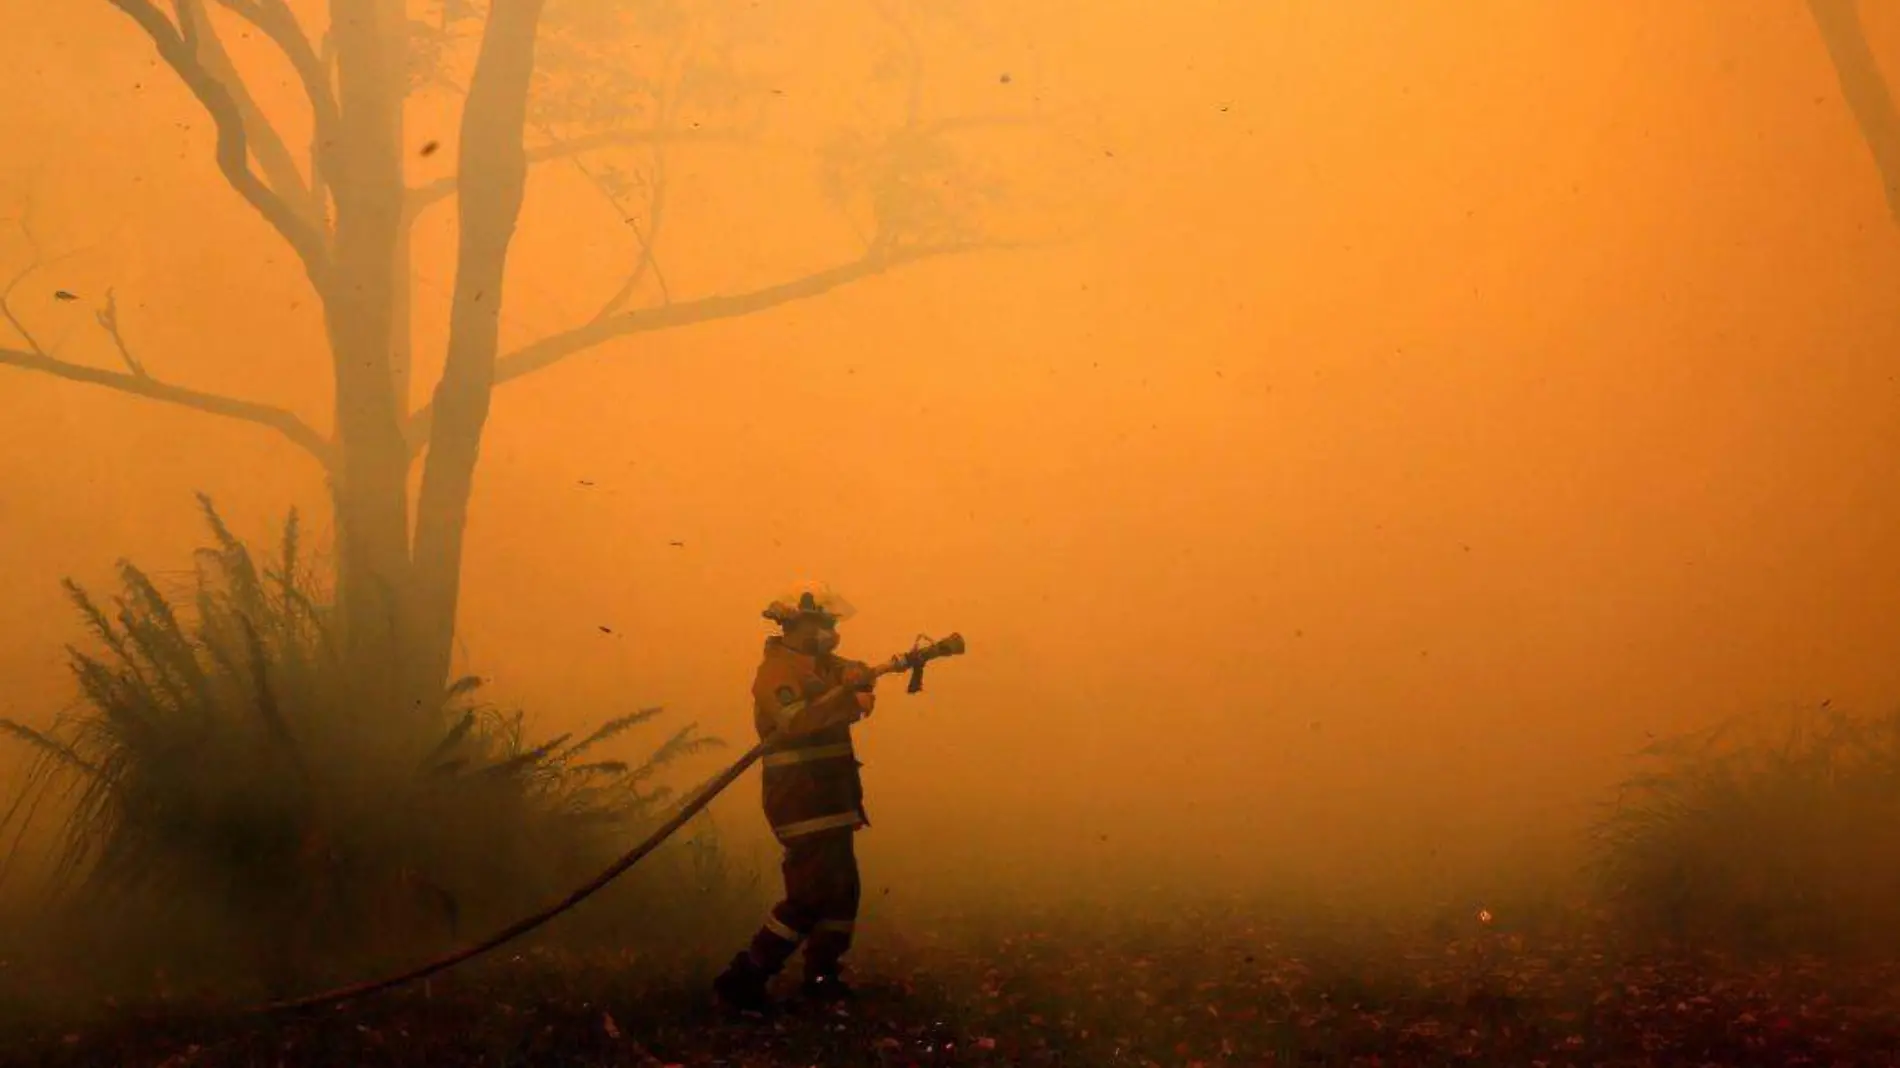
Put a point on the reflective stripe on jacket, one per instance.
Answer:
(811, 780)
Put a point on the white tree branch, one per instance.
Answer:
(1864, 87)
(557, 347)
(440, 189)
(277, 22)
(278, 167)
(178, 47)
(108, 318)
(142, 385)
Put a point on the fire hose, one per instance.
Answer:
(913, 661)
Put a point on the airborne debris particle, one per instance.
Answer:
(1005, 78)
(677, 544)
(428, 149)
(584, 482)
(606, 630)
(61, 294)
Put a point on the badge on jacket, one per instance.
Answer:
(786, 695)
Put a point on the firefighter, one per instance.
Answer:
(814, 798)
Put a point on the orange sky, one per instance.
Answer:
(1426, 407)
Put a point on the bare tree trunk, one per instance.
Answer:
(494, 171)
(1864, 87)
(371, 491)
(351, 224)
(401, 297)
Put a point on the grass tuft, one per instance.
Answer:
(229, 810)
(1768, 834)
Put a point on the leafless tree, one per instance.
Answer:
(540, 82)
(1864, 87)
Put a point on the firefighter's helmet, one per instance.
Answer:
(808, 599)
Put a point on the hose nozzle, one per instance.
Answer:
(926, 651)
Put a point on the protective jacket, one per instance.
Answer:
(811, 776)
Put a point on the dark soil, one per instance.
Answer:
(1212, 985)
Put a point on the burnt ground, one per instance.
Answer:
(1204, 985)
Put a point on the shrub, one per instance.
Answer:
(232, 810)
(1769, 834)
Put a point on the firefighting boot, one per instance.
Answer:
(826, 988)
(742, 985)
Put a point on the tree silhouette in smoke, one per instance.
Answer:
(1864, 88)
(540, 83)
